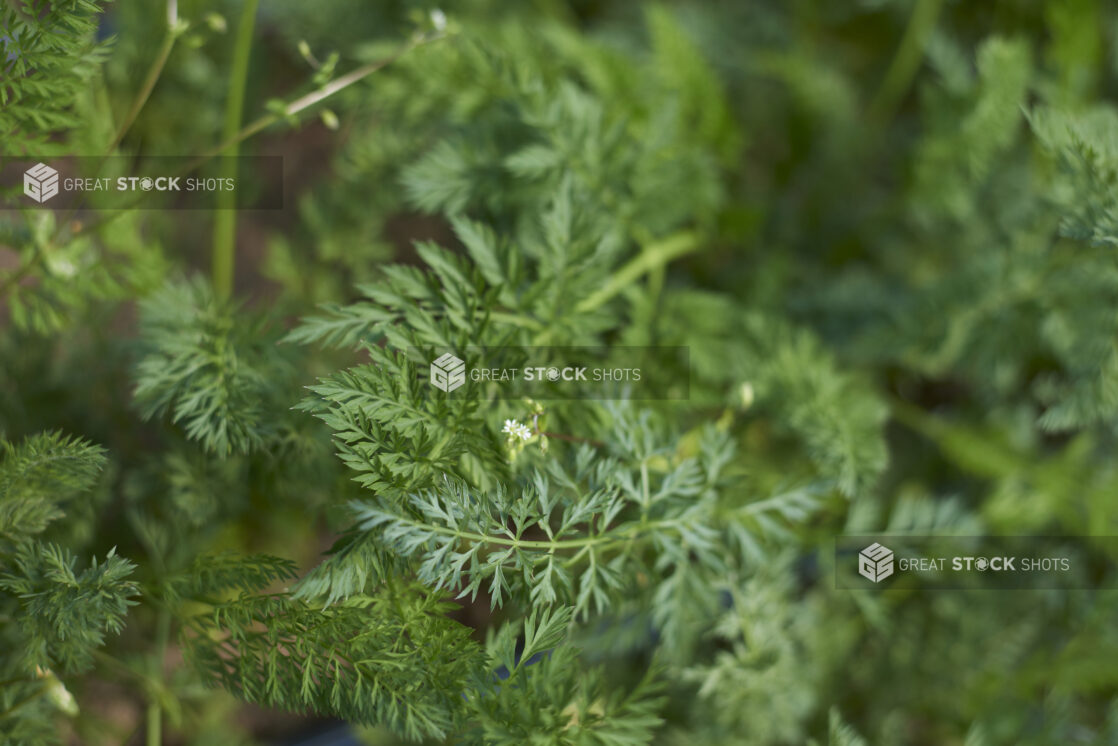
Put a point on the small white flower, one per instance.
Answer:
(438, 20)
(516, 430)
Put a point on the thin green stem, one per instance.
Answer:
(225, 220)
(319, 94)
(619, 536)
(155, 709)
(154, 724)
(906, 62)
(154, 72)
(653, 255)
(616, 537)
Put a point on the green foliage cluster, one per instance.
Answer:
(51, 54)
(55, 616)
(216, 372)
(883, 230)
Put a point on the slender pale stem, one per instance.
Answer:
(225, 220)
(155, 709)
(652, 256)
(615, 537)
(319, 94)
(145, 90)
(907, 60)
(632, 532)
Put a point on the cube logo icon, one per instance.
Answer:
(875, 562)
(448, 373)
(40, 182)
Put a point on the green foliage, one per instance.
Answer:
(842, 734)
(379, 411)
(52, 616)
(546, 698)
(374, 659)
(50, 57)
(970, 128)
(211, 370)
(762, 677)
(467, 539)
(883, 231)
(212, 574)
(38, 476)
(63, 615)
(61, 278)
(1086, 151)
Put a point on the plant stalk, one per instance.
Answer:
(155, 709)
(225, 219)
(302, 103)
(653, 256)
(906, 61)
(148, 86)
